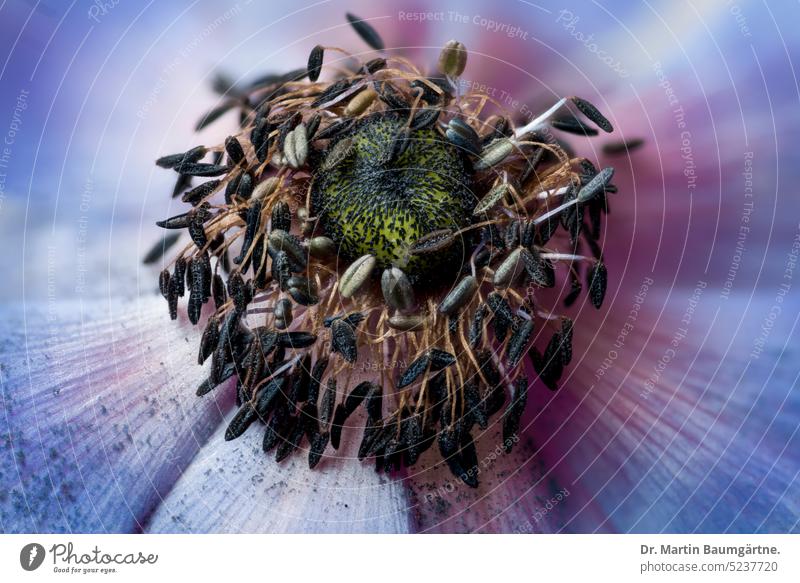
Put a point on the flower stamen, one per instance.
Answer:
(381, 220)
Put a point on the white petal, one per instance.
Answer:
(236, 487)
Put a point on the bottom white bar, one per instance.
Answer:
(400, 558)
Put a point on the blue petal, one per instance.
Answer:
(99, 414)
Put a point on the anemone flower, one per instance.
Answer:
(643, 356)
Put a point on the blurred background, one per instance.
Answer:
(93, 92)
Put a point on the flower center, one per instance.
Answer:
(385, 193)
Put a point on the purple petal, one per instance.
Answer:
(713, 448)
(675, 430)
(100, 416)
(517, 492)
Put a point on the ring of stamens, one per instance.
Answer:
(382, 218)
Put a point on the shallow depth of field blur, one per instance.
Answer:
(703, 237)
